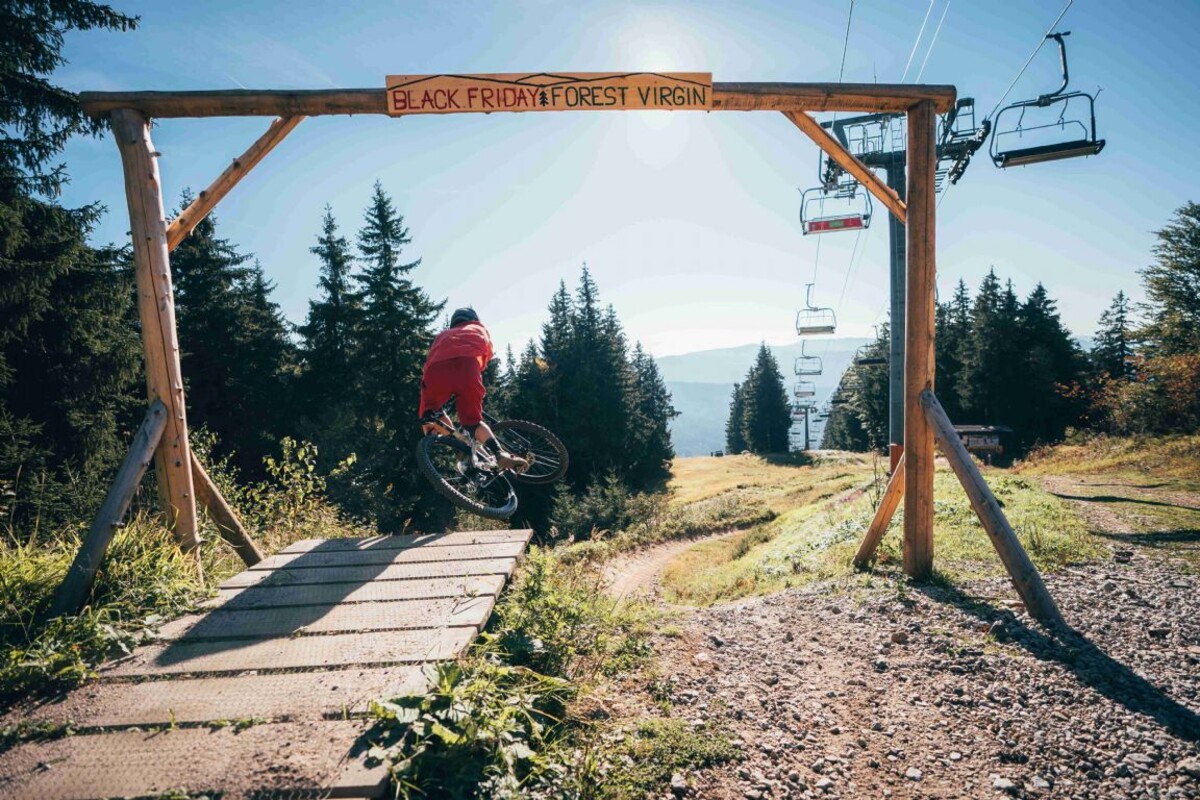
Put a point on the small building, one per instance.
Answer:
(983, 439)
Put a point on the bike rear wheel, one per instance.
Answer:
(547, 455)
(446, 462)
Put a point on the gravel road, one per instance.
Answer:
(951, 692)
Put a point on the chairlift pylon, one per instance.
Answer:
(814, 319)
(806, 364)
(1011, 148)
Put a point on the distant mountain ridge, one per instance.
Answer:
(701, 384)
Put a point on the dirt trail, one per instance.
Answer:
(944, 692)
(638, 573)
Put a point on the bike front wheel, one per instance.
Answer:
(447, 464)
(547, 456)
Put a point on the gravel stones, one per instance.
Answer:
(983, 703)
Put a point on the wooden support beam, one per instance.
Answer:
(82, 574)
(920, 284)
(156, 310)
(1024, 574)
(883, 517)
(223, 515)
(865, 176)
(199, 208)
(867, 98)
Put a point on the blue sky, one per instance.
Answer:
(688, 220)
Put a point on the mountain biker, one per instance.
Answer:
(454, 367)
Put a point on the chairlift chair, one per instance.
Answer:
(844, 207)
(806, 364)
(866, 357)
(814, 319)
(1011, 146)
(805, 389)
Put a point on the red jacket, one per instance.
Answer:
(470, 339)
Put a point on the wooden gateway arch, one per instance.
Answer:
(182, 480)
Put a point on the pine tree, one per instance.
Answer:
(953, 336)
(235, 353)
(1172, 308)
(767, 413)
(328, 345)
(651, 449)
(393, 335)
(1112, 350)
(735, 430)
(1048, 360)
(69, 359)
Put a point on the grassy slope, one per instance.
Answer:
(823, 511)
(1150, 486)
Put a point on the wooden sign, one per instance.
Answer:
(543, 91)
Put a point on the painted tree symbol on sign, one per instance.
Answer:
(542, 99)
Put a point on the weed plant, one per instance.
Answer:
(497, 723)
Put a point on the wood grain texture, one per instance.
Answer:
(317, 102)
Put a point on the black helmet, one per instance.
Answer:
(462, 315)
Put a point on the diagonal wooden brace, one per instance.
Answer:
(1024, 574)
(227, 522)
(864, 175)
(204, 203)
(82, 573)
(883, 517)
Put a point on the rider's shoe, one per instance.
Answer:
(511, 462)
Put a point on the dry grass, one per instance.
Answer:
(1175, 459)
(816, 535)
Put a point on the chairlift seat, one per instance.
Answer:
(1048, 152)
(808, 365)
(870, 361)
(805, 389)
(852, 222)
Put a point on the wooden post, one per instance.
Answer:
(199, 208)
(918, 341)
(226, 520)
(1024, 574)
(883, 517)
(833, 148)
(156, 309)
(82, 574)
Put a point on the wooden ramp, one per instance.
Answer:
(265, 692)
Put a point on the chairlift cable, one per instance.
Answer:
(920, 33)
(1029, 60)
(933, 41)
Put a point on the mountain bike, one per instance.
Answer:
(463, 471)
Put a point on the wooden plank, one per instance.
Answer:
(82, 572)
(363, 574)
(156, 310)
(261, 761)
(207, 200)
(428, 590)
(867, 98)
(536, 92)
(300, 652)
(865, 176)
(1024, 574)
(920, 286)
(335, 617)
(412, 555)
(293, 696)
(410, 540)
(227, 522)
(883, 516)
